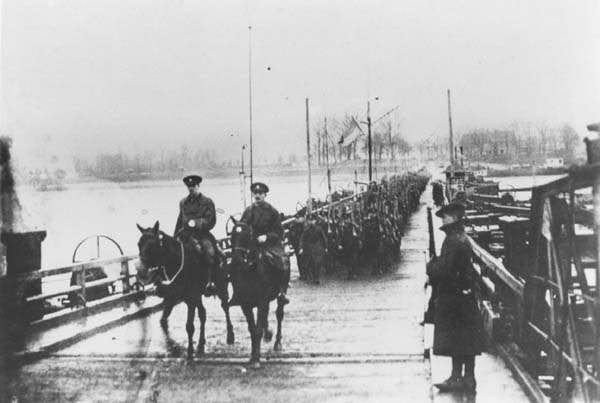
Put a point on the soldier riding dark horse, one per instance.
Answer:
(258, 270)
(182, 275)
(196, 218)
(266, 225)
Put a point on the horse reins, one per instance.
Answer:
(170, 281)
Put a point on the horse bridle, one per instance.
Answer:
(170, 280)
(162, 266)
(245, 251)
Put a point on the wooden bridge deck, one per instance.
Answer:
(343, 341)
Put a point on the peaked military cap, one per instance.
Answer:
(453, 208)
(259, 187)
(192, 180)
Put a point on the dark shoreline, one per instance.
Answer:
(259, 171)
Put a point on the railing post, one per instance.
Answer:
(81, 283)
(125, 272)
(23, 255)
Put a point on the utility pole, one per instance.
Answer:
(369, 124)
(451, 140)
(309, 208)
(389, 128)
(243, 178)
(327, 156)
(250, 97)
(319, 159)
(369, 133)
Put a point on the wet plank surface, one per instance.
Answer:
(343, 341)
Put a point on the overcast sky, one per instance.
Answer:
(122, 74)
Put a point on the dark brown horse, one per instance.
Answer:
(182, 275)
(255, 280)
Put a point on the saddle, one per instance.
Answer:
(195, 238)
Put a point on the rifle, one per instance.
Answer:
(431, 237)
(329, 231)
(429, 313)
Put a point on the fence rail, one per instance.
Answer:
(81, 288)
(491, 264)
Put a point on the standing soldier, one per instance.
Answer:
(266, 226)
(196, 218)
(313, 245)
(458, 326)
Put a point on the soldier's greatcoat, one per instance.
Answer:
(265, 220)
(314, 242)
(199, 208)
(458, 326)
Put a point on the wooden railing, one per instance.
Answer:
(82, 286)
(495, 266)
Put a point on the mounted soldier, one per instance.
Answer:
(266, 226)
(196, 218)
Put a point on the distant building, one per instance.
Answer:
(490, 145)
(554, 163)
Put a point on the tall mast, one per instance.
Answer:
(309, 208)
(327, 156)
(369, 141)
(250, 98)
(451, 139)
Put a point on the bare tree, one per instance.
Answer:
(569, 139)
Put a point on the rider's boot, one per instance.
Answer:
(210, 289)
(218, 259)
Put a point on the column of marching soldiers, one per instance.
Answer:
(355, 232)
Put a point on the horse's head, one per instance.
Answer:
(150, 247)
(242, 236)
